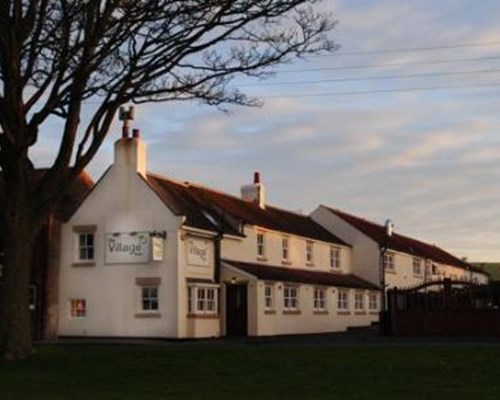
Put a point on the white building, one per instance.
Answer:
(407, 262)
(147, 256)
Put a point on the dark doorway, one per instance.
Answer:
(236, 310)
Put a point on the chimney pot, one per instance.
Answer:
(125, 132)
(256, 177)
(136, 133)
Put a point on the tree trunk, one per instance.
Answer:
(18, 232)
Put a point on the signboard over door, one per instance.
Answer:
(198, 252)
(128, 248)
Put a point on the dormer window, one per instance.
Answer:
(309, 252)
(261, 244)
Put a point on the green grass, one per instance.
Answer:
(220, 371)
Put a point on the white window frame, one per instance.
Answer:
(309, 252)
(285, 248)
(150, 298)
(85, 248)
(359, 301)
(261, 244)
(203, 299)
(373, 301)
(78, 308)
(335, 258)
(389, 262)
(290, 297)
(417, 266)
(269, 296)
(343, 300)
(319, 300)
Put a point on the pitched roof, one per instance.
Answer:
(208, 209)
(491, 268)
(75, 195)
(402, 243)
(286, 274)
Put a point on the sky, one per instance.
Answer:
(403, 122)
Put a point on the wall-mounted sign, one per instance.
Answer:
(128, 248)
(157, 248)
(197, 252)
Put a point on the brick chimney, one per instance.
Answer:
(255, 192)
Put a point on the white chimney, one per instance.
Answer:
(255, 192)
(131, 152)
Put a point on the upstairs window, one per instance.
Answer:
(389, 262)
(309, 252)
(85, 243)
(261, 244)
(284, 249)
(334, 257)
(417, 266)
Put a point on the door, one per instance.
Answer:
(236, 310)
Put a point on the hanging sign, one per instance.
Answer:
(157, 248)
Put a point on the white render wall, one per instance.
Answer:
(365, 254)
(120, 202)
(246, 250)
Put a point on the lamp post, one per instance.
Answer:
(389, 228)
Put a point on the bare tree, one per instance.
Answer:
(55, 55)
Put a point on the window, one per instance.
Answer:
(86, 246)
(261, 245)
(284, 247)
(319, 298)
(373, 302)
(417, 266)
(334, 257)
(309, 252)
(435, 269)
(149, 298)
(290, 297)
(202, 300)
(269, 296)
(343, 300)
(78, 308)
(389, 262)
(359, 301)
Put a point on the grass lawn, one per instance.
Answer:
(237, 371)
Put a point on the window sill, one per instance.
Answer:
(147, 315)
(343, 313)
(83, 264)
(292, 312)
(390, 271)
(320, 312)
(309, 264)
(203, 316)
(261, 258)
(374, 312)
(285, 262)
(270, 312)
(360, 313)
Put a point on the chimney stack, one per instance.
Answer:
(255, 192)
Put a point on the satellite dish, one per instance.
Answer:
(389, 227)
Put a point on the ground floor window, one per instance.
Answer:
(78, 308)
(373, 302)
(202, 300)
(269, 296)
(343, 300)
(290, 297)
(149, 298)
(319, 298)
(359, 301)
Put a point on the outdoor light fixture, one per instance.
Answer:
(116, 234)
(162, 234)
